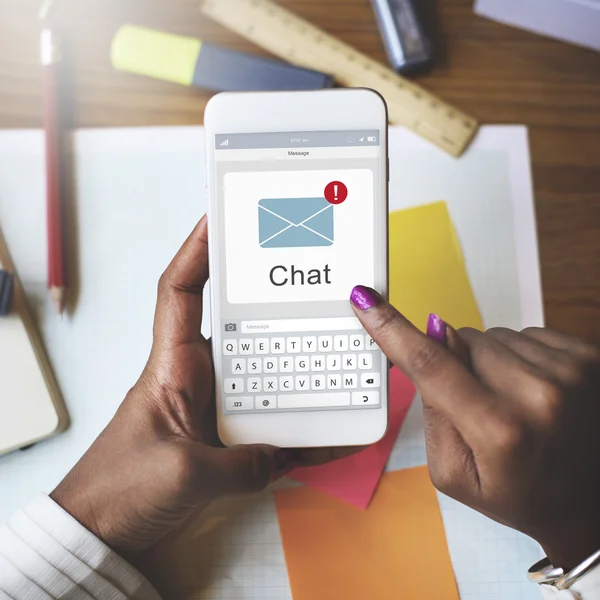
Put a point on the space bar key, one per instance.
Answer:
(313, 400)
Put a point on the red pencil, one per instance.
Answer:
(54, 206)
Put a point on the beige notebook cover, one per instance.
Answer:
(31, 406)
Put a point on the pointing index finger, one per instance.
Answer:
(446, 382)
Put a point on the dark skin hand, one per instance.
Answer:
(159, 460)
(511, 424)
(511, 428)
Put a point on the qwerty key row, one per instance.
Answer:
(297, 345)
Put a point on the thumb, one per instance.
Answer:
(178, 317)
(240, 469)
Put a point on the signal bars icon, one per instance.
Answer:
(225, 143)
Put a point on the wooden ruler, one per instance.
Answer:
(295, 40)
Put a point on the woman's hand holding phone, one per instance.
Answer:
(160, 456)
(511, 422)
(511, 426)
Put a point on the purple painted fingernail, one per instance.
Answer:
(364, 298)
(436, 329)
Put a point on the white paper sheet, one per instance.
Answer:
(139, 193)
(575, 21)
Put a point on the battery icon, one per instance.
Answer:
(371, 138)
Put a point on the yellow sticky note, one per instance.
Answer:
(395, 549)
(427, 268)
(155, 54)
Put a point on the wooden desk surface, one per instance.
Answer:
(499, 74)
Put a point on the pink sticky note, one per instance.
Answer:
(354, 479)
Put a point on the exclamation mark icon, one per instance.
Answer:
(336, 192)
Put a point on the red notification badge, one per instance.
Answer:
(336, 192)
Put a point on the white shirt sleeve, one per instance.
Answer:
(45, 554)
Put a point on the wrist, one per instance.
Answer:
(572, 547)
(73, 499)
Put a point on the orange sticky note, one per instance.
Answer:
(395, 549)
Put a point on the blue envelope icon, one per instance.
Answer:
(295, 223)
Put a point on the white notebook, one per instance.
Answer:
(31, 407)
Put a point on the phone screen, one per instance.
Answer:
(300, 219)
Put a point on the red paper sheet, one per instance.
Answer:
(354, 479)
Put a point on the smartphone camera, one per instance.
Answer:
(230, 327)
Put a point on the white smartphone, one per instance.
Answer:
(298, 216)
